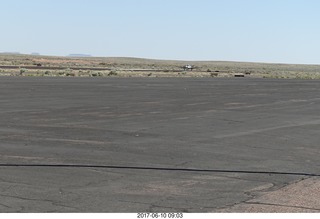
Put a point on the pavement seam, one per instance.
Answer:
(280, 205)
(160, 169)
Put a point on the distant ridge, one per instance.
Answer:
(79, 55)
(11, 53)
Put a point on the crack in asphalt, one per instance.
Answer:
(6, 206)
(152, 206)
(280, 205)
(27, 199)
(54, 203)
(159, 169)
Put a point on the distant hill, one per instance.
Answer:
(79, 55)
(11, 53)
(127, 66)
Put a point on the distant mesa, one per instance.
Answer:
(79, 55)
(35, 54)
(11, 53)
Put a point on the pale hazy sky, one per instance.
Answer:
(281, 31)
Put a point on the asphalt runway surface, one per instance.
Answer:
(153, 144)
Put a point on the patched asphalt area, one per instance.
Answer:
(299, 197)
(155, 144)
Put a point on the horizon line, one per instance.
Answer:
(89, 56)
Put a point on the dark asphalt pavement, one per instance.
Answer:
(128, 144)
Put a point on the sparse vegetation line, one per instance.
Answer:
(53, 68)
(28, 65)
(85, 68)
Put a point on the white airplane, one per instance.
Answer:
(188, 67)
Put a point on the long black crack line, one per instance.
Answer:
(281, 205)
(159, 169)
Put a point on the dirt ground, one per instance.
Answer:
(30, 65)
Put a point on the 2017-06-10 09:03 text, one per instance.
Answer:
(160, 215)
